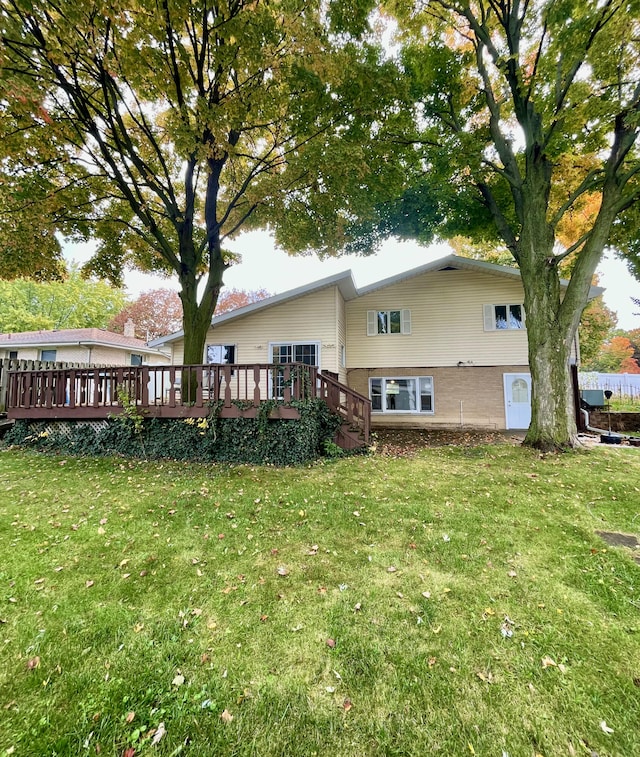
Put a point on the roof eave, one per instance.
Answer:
(344, 281)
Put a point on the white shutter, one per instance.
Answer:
(405, 321)
(489, 318)
(372, 322)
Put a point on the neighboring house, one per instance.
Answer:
(92, 346)
(444, 344)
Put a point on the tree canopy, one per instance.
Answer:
(73, 303)
(155, 313)
(232, 299)
(162, 126)
(524, 119)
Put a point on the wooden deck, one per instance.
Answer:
(180, 391)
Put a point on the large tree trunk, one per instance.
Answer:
(550, 338)
(196, 317)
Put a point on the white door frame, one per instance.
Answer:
(517, 413)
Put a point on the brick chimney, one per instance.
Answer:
(130, 328)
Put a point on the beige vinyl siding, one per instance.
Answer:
(447, 325)
(311, 318)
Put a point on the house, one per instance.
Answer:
(91, 346)
(441, 345)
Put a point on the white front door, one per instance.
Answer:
(517, 399)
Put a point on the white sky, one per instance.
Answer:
(265, 267)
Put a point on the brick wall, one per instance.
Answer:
(465, 396)
(619, 421)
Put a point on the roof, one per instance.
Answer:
(457, 262)
(345, 282)
(58, 338)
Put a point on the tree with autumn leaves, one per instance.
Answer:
(158, 312)
(160, 127)
(525, 117)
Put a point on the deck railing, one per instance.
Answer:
(178, 391)
(353, 408)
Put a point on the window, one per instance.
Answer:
(13, 354)
(48, 356)
(401, 395)
(222, 354)
(295, 353)
(388, 322)
(291, 352)
(136, 359)
(501, 317)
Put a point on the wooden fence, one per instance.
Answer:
(11, 364)
(182, 391)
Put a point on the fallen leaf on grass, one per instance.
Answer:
(129, 752)
(331, 643)
(226, 716)
(33, 663)
(605, 728)
(392, 569)
(347, 705)
(486, 677)
(548, 662)
(312, 551)
(178, 680)
(88, 584)
(160, 732)
(282, 570)
(130, 716)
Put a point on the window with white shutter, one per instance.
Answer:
(506, 317)
(388, 322)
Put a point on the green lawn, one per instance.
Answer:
(454, 603)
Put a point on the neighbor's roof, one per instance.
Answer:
(82, 337)
(345, 282)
